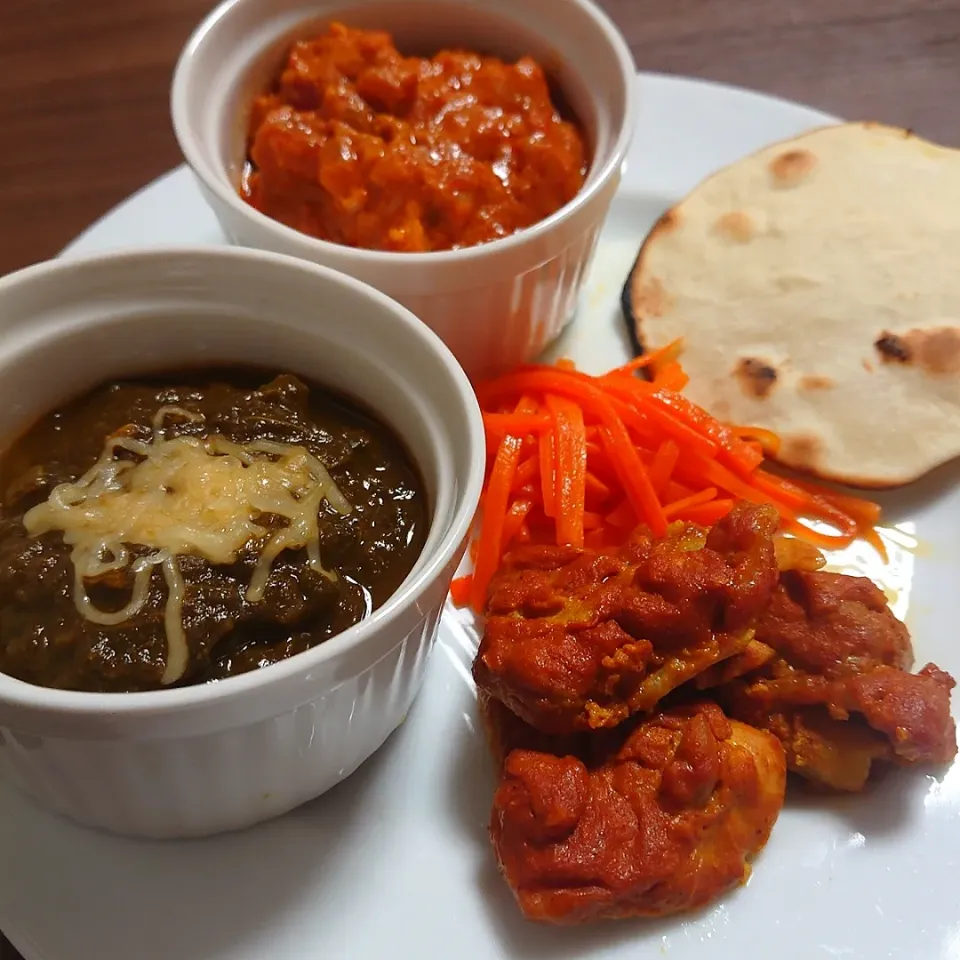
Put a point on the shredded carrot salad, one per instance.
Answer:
(582, 461)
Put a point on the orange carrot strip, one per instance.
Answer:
(629, 388)
(726, 480)
(863, 511)
(491, 524)
(595, 485)
(592, 520)
(671, 377)
(498, 424)
(784, 490)
(565, 363)
(667, 353)
(765, 493)
(806, 504)
(622, 516)
(634, 478)
(681, 432)
(595, 451)
(768, 440)
(599, 466)
(490, 541)
(695, 470)
(826, 541)
(548, 479)
(515, 516)
(570, 439)
(643, 431)
(627, 463)
(526, 472)
(659, 418)
(707, 514)
(585, 390)
(460, 590)
(739, 455)
(872, 536)
(661, 421)
(661, 468)
(677, 491)
(679, 507)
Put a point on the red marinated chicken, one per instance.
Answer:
(581, 640)
(602, 813)
(830, 680)
(652, 822)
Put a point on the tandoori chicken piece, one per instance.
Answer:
(831, 682)
(652, 821)
(581, 640)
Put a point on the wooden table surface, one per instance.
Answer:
(83, 88)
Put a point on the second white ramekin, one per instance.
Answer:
(495, 305)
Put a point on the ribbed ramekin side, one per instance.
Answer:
(231, 779)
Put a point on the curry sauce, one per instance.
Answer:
(359, 145)
(80, 625)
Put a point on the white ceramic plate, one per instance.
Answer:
(395, 862)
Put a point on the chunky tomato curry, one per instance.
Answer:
(359, 145)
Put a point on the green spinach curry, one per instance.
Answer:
(165, 533)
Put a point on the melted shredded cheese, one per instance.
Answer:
(179, 497)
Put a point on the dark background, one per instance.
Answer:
(83, 88)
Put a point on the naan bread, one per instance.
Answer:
(817, 287)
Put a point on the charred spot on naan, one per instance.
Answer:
(651, 299)
(887, 131)
(737, 225)
(668, 221)
(756, 377)
(815, 382)
(892, 349)
(935, 351)
(792, 167)
(802, 451)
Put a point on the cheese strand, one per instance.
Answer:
(185, 496)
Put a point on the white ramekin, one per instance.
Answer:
(495, 305)
(221, 756)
